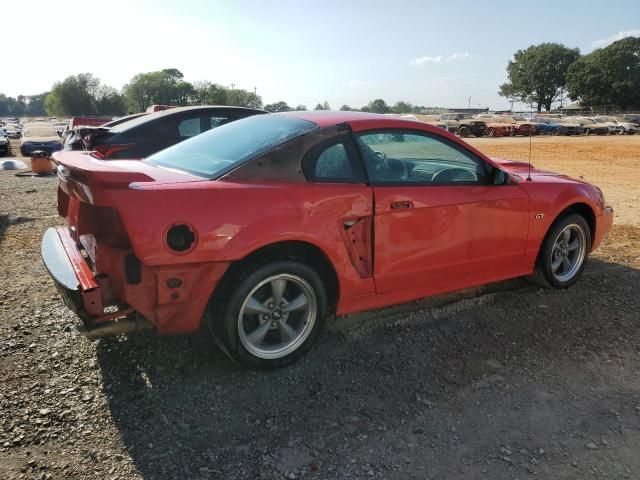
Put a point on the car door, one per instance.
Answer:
(440, 223)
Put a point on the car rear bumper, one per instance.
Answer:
(27, 149)
(80, 289)
(171, 298)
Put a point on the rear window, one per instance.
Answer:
(214, 153)
(41, 132)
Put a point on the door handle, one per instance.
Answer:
(402, 204)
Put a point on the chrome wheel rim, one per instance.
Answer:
(277, 316)
(568, 253)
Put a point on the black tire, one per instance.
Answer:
(555, 131)
(543, 274)
(587, 131)
(464, 132)
(224, 313)
(490, 132)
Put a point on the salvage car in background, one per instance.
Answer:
(262, 228)
(497, 126)
(144, 135)
(623, 126)
(612, 125)
(556, 126)
(39, 136)
(590, 126)
(5, 144)
(10, 131)
(471, 126)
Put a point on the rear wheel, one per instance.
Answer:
(555, 131)
(273, 316)
(464, 132)
(587, 131)
(564, 252)
(491, 132)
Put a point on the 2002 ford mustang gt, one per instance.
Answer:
(262, 228)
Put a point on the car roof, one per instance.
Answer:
(150, 117)
(324, 118)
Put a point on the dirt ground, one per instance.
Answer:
(503, 382)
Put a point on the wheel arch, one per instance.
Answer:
(298, 250)
(581, 209)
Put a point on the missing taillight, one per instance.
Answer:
(107, 151)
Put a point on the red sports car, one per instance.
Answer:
(264, 227)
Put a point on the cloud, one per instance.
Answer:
(454, 57)
(603, 42)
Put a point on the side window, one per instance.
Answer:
(189, 127)
(332, 162)
(407, 157)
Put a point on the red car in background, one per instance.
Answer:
(264, 227)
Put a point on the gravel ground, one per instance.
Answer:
(503, 382)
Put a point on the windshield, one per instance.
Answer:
(41, 132)
(213, 153)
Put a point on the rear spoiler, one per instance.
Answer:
(83, 175)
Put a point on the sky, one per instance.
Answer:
(300, 51)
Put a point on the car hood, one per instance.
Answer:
(522, 170)
(41, 139)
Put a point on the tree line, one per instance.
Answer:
(538, 75)
(541, 74)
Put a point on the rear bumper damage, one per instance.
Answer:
(128, 296)
(81, 290)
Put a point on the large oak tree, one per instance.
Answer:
(608, 76)
(538, 74)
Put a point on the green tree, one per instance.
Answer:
(538, 74)
(345, 108)
(207, 93)
(75, 95)
(109, 101)
(163, 87)
(379, 106)
(402, 107)
(326, 106)
(277, 107)
(301, 108)
(319, 107)
(608, 76)
(243, 98)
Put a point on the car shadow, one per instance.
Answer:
(184, 410)
(6, 220)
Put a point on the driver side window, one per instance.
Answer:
(407, 157)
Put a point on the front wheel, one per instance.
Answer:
(587, 131)
(274, 315)
(490, 132)
(464, 132)
(563, 254)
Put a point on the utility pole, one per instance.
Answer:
(469, 108)
(233, 85)
(255, 91)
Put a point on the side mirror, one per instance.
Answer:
(500, 177)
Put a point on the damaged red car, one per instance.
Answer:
(263, 228)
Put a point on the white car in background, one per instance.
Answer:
(627, 126)
(11, 131)
(610, 122)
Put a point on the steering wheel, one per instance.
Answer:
(454, 175)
